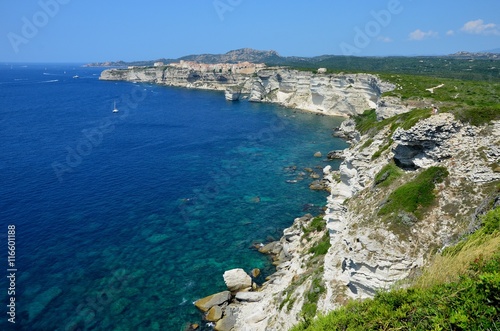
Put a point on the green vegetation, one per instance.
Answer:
(288, 301)
(469, 301)
(449, 67)
(382, 149)
(311, 299)
(475, 102)
(322, 246)
(317, 224)
(367, 123)
(366, 144)
(482, 245)
(387, 175)
(414, 196)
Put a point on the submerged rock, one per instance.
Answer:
(41, 302)
(255, 272)
(319, 185)
(118, 306)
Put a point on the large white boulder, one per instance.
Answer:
(237, 279)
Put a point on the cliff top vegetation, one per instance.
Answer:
(460, 291)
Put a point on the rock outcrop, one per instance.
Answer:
(368, 254)
(331, 94)
(427, 143)
(205, 304)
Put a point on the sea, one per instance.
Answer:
(120, 221)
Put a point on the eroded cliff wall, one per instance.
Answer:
(330, 94)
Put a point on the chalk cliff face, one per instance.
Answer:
(330, 94)
(368, 254)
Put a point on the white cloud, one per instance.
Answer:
(479, 27)
(450, 33)
(421, 35)
(384, 39)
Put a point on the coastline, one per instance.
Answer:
(340, 94)
(366, 252)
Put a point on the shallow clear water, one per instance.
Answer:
(123, 220)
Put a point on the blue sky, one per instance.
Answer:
(92, 30)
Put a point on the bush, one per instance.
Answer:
(317, 224)
(321, 248)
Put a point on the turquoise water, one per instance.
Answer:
(123, 220)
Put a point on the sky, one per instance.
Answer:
(95, 30)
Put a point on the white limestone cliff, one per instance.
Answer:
(329, 94)
(367, 254)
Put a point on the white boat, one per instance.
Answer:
(76, 76)
(115, 110)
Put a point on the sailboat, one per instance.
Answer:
(115, 110)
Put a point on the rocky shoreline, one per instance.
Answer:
(240, 307)
(365, 254)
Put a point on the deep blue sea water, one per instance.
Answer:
(122, 220)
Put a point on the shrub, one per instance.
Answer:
(317, 224)
(322, 246)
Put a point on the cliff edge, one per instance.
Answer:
(329, 94)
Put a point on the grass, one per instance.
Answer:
(414, 196)
(474, 102)
(460, 291)
(482, 245)
(387, 175)
(367, 122)
(312, 296)
(382, 149)
(366, 144)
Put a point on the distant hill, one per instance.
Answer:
(272, 57)
(450, 66)
(238, 55)
(235, 56)
(496, 50)
(491, 55)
